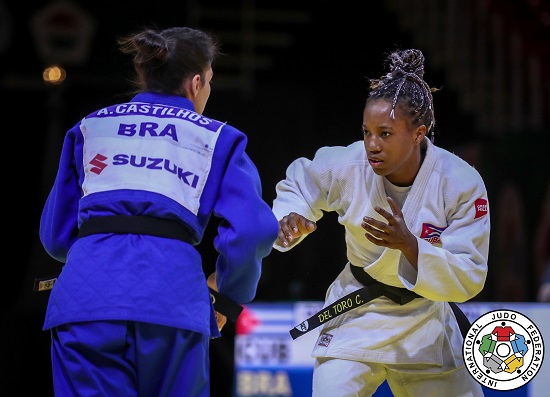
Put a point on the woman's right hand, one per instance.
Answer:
(292, 227)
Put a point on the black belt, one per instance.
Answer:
(373, 289)
(396, 294)
(148, 225)
(403, 295)
(131, 224)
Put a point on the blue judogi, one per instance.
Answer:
(153, 156)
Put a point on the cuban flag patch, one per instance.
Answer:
(432, 233)
(481, 207)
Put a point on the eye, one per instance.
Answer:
(364, 131)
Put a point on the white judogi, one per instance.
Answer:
(446, 208)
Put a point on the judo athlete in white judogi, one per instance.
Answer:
(415, 217)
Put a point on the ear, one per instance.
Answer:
(419, 134)
(191, 86)
(196, 84)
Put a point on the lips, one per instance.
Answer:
(375, 162)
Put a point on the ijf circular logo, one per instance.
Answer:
(503, 350)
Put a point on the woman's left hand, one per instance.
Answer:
(393, 234)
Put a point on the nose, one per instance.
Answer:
(372, 143)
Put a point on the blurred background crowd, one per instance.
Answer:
(294, 77)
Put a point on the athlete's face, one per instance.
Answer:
(392, 145)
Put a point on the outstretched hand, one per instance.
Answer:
(393, 234)
(293, 226)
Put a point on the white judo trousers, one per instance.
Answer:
(346, 378)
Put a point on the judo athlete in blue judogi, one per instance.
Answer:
(137, 185)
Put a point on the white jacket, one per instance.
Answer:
(446, 208)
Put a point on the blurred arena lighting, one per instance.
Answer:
(54, 75)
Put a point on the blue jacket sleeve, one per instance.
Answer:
(59, 219)
(247, 230)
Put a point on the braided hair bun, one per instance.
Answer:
(404, 87)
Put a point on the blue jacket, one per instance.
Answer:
(154, 156)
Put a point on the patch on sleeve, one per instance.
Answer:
(432, 233)
(481, 207)
(324, 340)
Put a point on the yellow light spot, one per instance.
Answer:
(54, 75)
